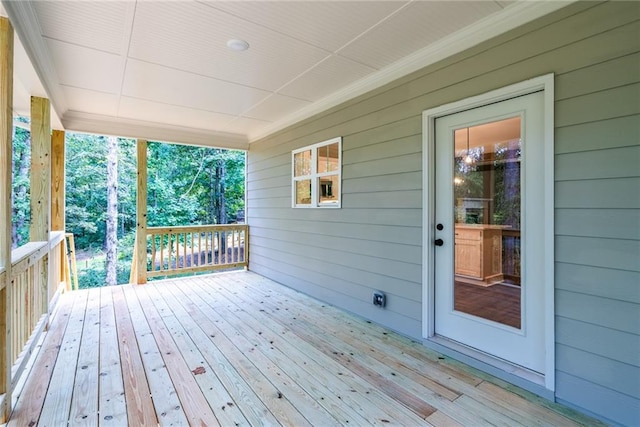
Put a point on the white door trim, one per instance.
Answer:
(543, 83)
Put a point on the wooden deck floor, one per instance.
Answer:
(237, 349)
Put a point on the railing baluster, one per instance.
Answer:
(218, 247)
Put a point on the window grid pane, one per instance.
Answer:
(302, 165)
(328, 158)
(303, 192)
(329, 189)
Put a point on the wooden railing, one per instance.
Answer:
(195, 249)
(37, 276)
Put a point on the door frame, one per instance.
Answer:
(545, 84)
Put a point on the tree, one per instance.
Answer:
(111, 238)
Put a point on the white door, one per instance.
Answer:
(489, 213)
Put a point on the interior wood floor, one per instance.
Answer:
(499, 302)
(238, 349)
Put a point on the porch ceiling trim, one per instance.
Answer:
(484, 29)
(106, 125)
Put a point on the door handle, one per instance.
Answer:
(438, 242)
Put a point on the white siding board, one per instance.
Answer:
(275, 170)
(610, 74)
(618, 102)
(597, 400)
(277, 192)
(375, 248)
(610, 253)
(276, 181)
(410, 199)
(394, 148)
(600, 135)
(332, 258)
(613, 163)
(389, 132)
(622, 193)
(599, 282)
(393, 182)
(379, 233)
(268, 162)
(602, 223)
(391, 165)
(373, 216)
(609, 313)
(326, 278)
(271, 202)
(617, 376)
(363, 293)
(615, 345)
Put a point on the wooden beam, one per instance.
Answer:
(57, 181)
(40, 169)
(141, 214)
(6, 148)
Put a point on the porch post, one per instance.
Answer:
(58, 222)
(141, 214)
(40, 169)
(6, 143)
(57, 181)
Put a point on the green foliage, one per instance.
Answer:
(179, 186)
(20, 183)
(92, 272)
(181, 180)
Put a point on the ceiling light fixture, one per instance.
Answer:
(237, 45)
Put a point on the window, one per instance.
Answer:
(316, 175)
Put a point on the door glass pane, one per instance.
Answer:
(487, 196)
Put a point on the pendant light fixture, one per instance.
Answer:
(468, 159)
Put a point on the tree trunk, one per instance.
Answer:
(112, 211)
(221, 171)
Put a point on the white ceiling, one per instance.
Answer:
(162, 70)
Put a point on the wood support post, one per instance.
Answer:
(40, 169)
(57, 181)
(6, 148)
(141, 214)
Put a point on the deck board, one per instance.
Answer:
(112, 408)
(237, 349)
(243, 397)
(57, 403)
(140, 407)
(193, 403)
(167, 405)
(84, 407)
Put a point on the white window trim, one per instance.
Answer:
(315, 175)
(543, 83)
